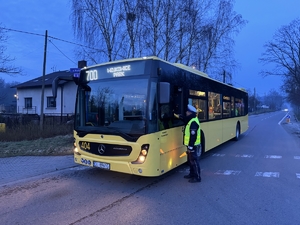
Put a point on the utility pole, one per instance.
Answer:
(43, 83)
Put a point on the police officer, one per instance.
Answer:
(192, 139)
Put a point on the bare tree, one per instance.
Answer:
(292, 89)
(190, 21)
(216, 47)
(168, 38)
(3, 93)
(96, 23)
(132, 19)
(5, 60)
(284, 53)
(192, 32)
(274, 100)
(152, 23)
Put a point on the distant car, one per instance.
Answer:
(285, 110)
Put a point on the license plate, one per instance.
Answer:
(102, 165)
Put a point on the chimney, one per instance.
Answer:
(82, 64)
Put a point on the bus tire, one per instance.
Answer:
(237, 132)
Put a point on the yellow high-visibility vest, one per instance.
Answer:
(187, 132)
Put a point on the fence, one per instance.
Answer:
(13, 120)
(26, 110)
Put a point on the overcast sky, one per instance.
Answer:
(264, 18)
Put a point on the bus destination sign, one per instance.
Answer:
(115, 71)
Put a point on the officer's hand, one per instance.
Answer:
(178, 116)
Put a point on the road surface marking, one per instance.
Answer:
(273, 156)
(218, 155)
(244, 156)
(228, 172)
(267, 174)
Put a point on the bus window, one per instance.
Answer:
(152, 124)
(242, 107)
(232, 107)
(226, 106)
(199, 103)
(214, 103)
(238, 107)
(165, 120)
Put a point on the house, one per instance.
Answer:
(29, 96)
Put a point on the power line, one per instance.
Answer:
(61, 51)
(25, 32)
(55, 38)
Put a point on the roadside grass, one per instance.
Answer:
(29, 140)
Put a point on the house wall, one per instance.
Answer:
(65, 101)
(33, 93)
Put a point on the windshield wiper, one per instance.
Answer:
(104, 130)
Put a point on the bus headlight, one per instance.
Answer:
(141, 159)
(143, 154)
(76, 151)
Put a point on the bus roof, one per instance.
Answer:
(190, 69)
(178, 65)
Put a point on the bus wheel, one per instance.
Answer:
(237, 132)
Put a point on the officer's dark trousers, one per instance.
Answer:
(194, 164)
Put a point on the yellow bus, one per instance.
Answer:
(124, 114)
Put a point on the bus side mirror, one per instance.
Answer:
(56, 81)
(164, 92)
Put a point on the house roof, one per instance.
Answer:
(37, 82)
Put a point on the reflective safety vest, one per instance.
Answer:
(187, 132)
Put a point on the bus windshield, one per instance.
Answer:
(112, 107)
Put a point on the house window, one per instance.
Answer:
(28, 103)
(51, 102)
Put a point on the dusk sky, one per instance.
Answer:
(35, 17)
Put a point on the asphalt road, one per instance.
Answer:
(255, 180)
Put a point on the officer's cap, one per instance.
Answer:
(191, 108)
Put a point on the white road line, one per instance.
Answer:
(296, 157)
(218, 155)
(267, 174)
(279, 123)
(273, 156)
(244, 156)
(298, 175)
(228, 172)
